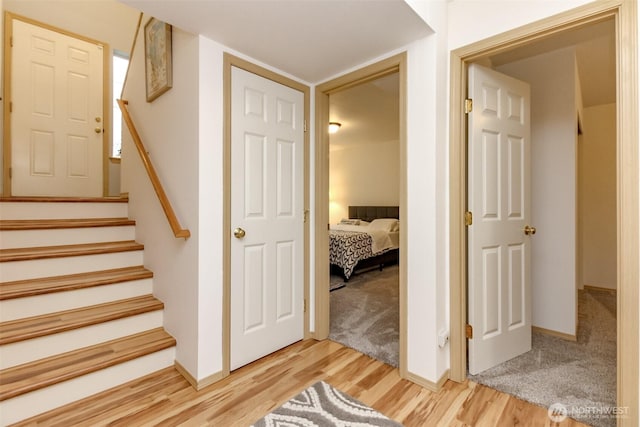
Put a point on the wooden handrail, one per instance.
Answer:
(178, 231)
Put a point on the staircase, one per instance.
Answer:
(77, 314)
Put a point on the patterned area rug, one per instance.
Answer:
(321, 405)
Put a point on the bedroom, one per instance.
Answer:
(364, 197)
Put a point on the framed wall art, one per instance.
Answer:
(157, 50)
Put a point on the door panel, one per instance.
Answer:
(56, 120)
(267, 286)
(254, 286)
(498, 195)
(285, 286)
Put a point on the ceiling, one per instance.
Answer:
(312, 40)
(595, 58)
(369, 113)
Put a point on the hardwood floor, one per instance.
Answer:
(166, 398)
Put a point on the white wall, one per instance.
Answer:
(474, 20)
(210, 194)
(107, 21)
(553, 186)
(169, 128)
(427, 246)
(597, 195)
(363, 174)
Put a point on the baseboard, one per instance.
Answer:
(557, 334)
(429, 385)
(599, 289)
(198, 385)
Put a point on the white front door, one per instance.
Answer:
(57, 114)
(499, 305)
(267, 217)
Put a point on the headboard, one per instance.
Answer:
(369, 213)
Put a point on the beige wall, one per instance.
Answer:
(366, 174)
(597, 197)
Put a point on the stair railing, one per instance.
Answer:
(178, 231)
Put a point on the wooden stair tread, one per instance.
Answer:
(49, 224)
(45, 372)
(48, 324)
(23, 254)
(39, 286)
(36, 199)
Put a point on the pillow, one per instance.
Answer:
(350, 221)
(385, 224)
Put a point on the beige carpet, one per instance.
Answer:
(365, 314)
(578, 374)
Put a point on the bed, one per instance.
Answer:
(368, 238)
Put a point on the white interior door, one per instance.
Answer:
(267, 214)
(499, 306)
(57, 114)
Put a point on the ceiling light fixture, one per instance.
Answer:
(334, 127)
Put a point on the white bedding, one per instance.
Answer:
(380, 239)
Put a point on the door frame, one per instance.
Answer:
(393, 64)
(625, 15)
(106, 99)
(234, 61)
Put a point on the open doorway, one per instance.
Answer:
(626, 143)
(392, 65)
(364, 197)
(572, 82)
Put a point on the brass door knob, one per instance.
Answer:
(239, 233)
(98, 130)
(529, 231)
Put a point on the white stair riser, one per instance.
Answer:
(69, 236)
(31, 269)
(62, 210)
(37, 348)
(39, 401)
(19, 308)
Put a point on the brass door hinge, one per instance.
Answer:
(305, 125)
(305, 305)
(468, 218)
(306, 215)
(469, 331)
(468, 105)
